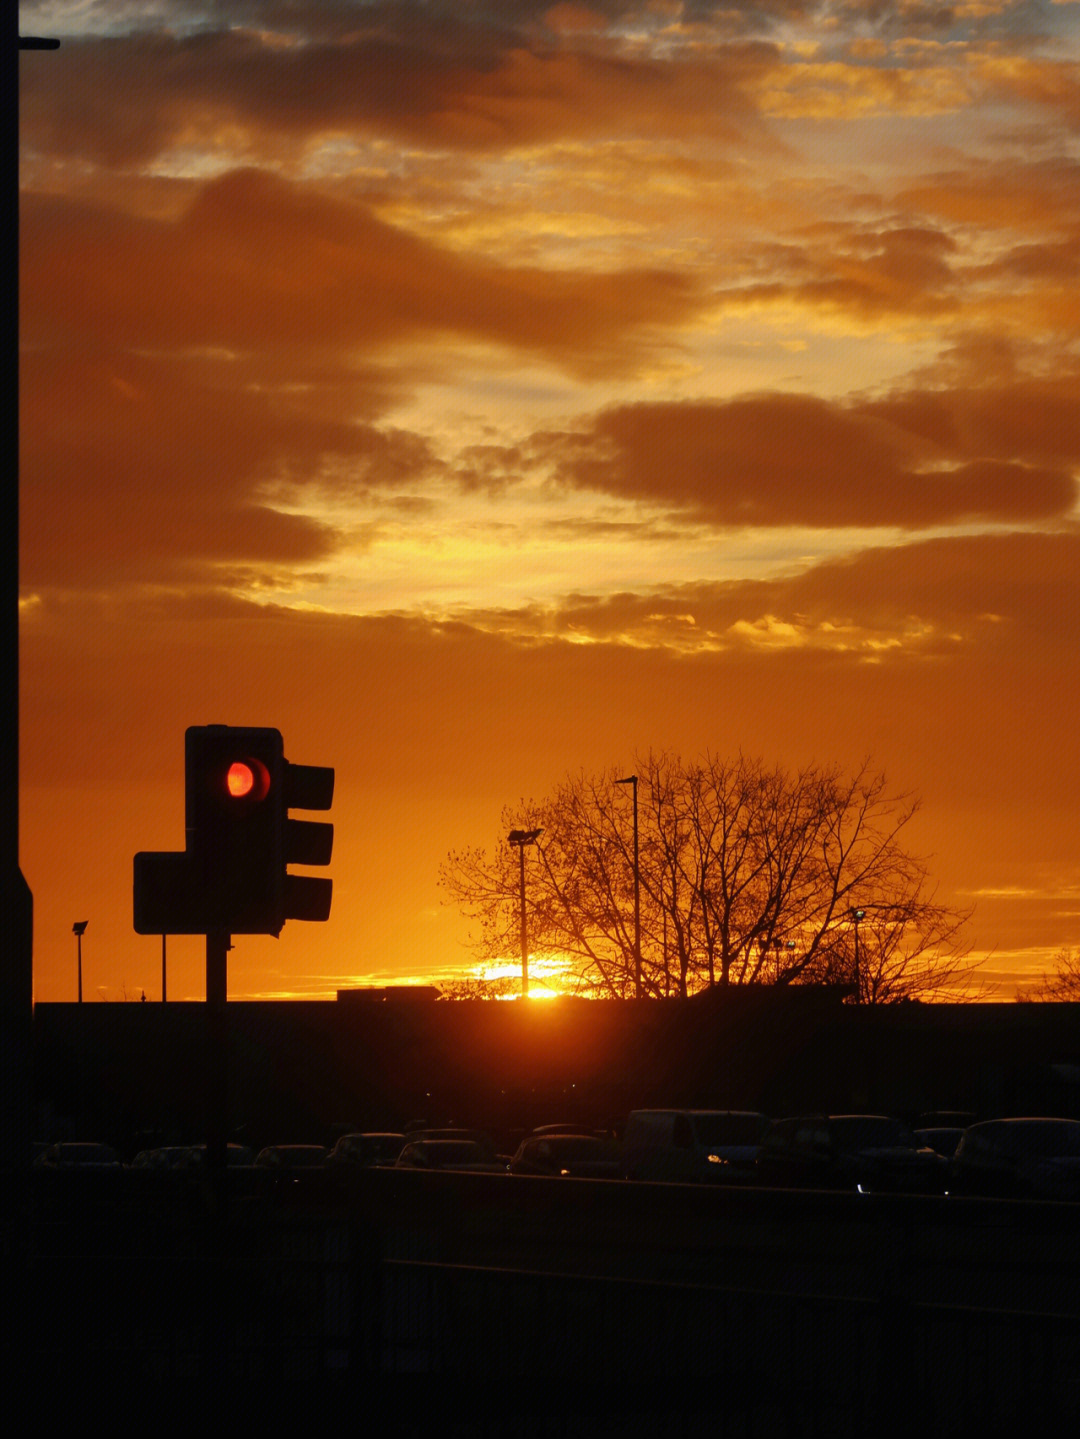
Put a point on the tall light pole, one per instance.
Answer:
(522, 837)
(78, 929)
(631, 780)
(857, 915)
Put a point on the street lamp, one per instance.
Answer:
(78, 929)
(631, 779)
(856, 916)
(522, 837)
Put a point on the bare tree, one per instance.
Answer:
(747, 875)
(1063, 984)
(474, 987)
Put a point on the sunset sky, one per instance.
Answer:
(481, 392)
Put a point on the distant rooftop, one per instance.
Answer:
(390, 993)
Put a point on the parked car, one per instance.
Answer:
(573, 1129)
(168, 1157)
(692, 1145)
(292, 1156)
(454, 1132)
(237, 1156)
(366, 1150)
(78, 1154)
(941, 1140)
(465, 1154)
(586, 1156)
(1022, 1158)
(946, 1119)
(871, 1153)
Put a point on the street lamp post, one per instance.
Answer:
(631, 780)
(78, 929)
(857, 915)
(522, 837)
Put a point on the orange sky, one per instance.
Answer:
(479, 392)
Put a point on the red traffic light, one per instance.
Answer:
(232, 876)
(247, 779)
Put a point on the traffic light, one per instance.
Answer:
(235, 826)
(232, 876)
(307, 841)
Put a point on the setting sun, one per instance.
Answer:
(544, 976)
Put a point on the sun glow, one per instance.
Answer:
(545, 975)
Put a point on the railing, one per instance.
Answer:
(796, 1313)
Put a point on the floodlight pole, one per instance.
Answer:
(632, 781)
(857, 915)
(78, 930)
(522, 837)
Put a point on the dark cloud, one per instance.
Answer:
(869, 272)
(257, 262)
(175, 369)
(426, 78)
(917, 461)
(140, 466)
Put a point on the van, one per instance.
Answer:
(692, 1146)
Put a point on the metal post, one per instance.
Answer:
(857, 915)
(217, 949)
(858, 987)
(78, 929)
(216, 1332)
(632, 781)
(524, 933)
(522, 837)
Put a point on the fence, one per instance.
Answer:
(837, 1316)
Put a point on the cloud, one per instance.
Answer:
(905, 276)
(423, 78)
(176, 469)
(970, 705)
(990, 595)
(180, 375)
(997, 193)
(258, 262)
(915, 461)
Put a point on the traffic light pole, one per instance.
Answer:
(218, 945)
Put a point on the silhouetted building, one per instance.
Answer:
(379, 1059)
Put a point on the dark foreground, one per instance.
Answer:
(528, 1305)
